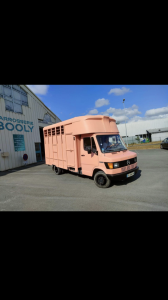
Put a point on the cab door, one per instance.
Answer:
(89, 159)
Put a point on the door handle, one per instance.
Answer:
(82, 155)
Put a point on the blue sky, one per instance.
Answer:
(142, 102)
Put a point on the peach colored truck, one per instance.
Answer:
(89, 145)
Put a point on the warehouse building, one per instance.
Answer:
(154, 129)
(22, 118)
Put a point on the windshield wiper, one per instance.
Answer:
(116, 150)
(122, 149)
(111, 151)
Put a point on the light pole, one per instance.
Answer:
(125, 123)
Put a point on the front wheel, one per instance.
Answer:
(101, 180)
(57, 170)
(161, 147)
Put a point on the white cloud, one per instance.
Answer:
(120, 118)
(93, 112)
(156, 111)
(134, 106)
(39, 89)
(104, 114)
(122, 114)
(101, 102)
(118, 91)
(137, 118)
(131, 114)
(110, 110)
(131, 111)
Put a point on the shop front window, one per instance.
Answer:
(14, 97)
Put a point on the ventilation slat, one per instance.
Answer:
(58, 130)
(49, 132)
(62, 129)
(53, 131)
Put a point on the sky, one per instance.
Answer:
(142, 102)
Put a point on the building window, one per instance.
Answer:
(14, 97)
(47, 119)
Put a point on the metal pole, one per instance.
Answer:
(125, 124)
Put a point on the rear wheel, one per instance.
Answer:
(57, 170)
(52, 167)
(101, 180)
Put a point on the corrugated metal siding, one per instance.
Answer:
(159, 136)
(32, 113)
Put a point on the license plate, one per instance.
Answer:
(130, 174)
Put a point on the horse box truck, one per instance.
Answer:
(89, 145)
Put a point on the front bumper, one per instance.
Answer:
(123, 175)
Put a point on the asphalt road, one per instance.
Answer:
(37, 188)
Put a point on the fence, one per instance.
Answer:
(133, 140)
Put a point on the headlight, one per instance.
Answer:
(135, 159)
(116, 165)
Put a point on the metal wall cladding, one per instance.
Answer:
(34, 111)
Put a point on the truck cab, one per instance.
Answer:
(106, 153)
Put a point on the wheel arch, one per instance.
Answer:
(97, 170)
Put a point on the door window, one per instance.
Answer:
(93, 145)
(87, 144)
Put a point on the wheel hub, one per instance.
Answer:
(101, 180)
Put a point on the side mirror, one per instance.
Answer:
(95, 152)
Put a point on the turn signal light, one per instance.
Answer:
(110, 165)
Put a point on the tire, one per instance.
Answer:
(57, 171)
(102, 180)
(52, 167)
(161, 146)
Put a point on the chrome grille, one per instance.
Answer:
(127, 168)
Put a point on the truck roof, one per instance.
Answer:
(80, 118)
(88, 124)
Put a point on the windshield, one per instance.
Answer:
(110, 143)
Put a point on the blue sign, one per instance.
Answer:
(9, 126)
(19, 143)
